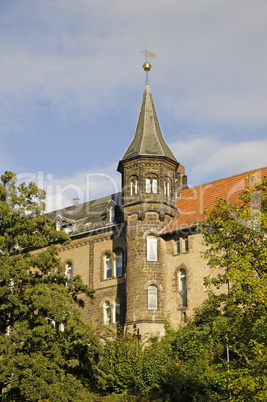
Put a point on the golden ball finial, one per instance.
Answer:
(147, 66)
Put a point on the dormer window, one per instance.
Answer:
(133, 185)
(110, 214)
(58, 224)
(152, 184)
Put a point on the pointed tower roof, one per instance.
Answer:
(148, 139)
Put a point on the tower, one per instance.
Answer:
(150, 176)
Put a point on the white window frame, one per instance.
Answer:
(182, 284)
(152, 248)
(107, 313)
(151, 185)
(107, 266)
(118, 264)
(69, 271)
(133, 185)
(152, 297)
(116, 312)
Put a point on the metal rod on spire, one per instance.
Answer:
(147, 66)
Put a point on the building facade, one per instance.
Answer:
(140, 249)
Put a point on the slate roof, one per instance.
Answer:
(88, 215)
(193, 202)
(148, 139)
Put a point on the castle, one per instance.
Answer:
(140, 249)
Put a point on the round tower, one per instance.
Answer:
(150, 175)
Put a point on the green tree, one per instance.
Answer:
(46, 351)
(235, 312)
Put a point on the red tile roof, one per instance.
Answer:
(193, 202)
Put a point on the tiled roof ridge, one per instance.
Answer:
(225, 178)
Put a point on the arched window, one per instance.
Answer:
(118, 264)
(152, 298)
(182, 288)
(107, 313)
(152, 253)
(68, 271)
(133, 185)
(107, 266)
(152, 184)
(167, 186)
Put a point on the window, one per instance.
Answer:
(185, 245)
(107, 313)
(182, 288)
(152, 243)
(152, 298)
(117, 312)
(167, 186)
(177, 247)
(151, 184)
(107, 266)
(118, 264)
(68, 272)
(133, 185)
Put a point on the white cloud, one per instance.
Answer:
(208, 159)
(89, 185)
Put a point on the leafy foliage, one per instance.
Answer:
(37, 359)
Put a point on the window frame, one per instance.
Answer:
(108, 266)
(152, 184)
(69, 271)
(152, 248)
(182, 288)
(118, 256)
(133, 185)
(152, 297)
(107, 313)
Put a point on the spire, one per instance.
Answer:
(148, 139)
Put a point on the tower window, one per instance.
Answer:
(133, 185)
(152, 245)
(151, 184)
(167, 186)
(68, 272)
(152, 298)
(182, 288)
(107, 266)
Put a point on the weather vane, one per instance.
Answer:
(147, 66)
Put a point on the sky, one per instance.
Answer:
(71, 85)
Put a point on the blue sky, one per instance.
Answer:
(72, 84)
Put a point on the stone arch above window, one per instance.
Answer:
(152, 248)
(133, 185)
(152, 297)
(182, 288)
(151, 184)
